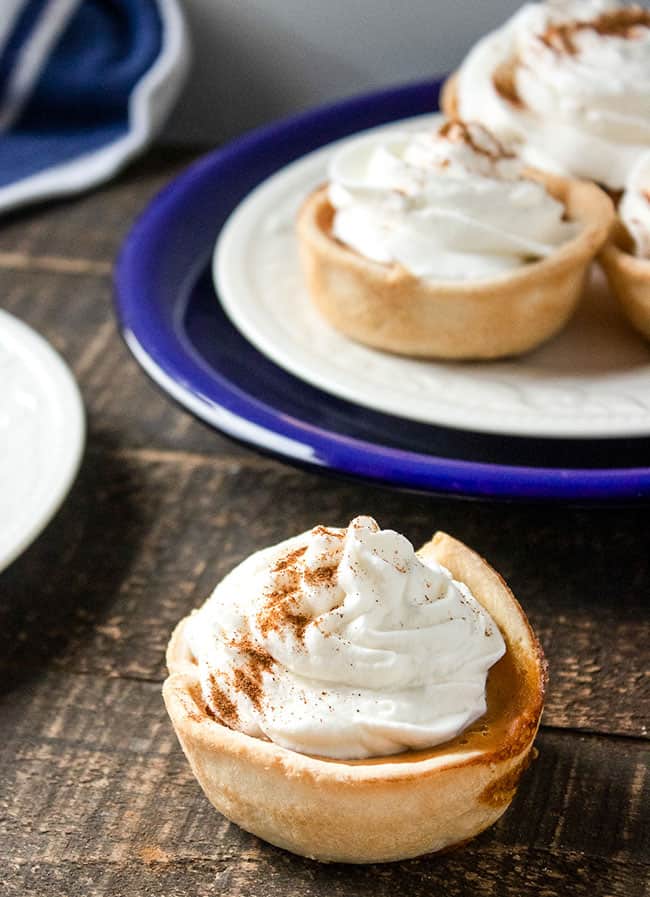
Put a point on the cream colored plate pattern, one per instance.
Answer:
(593, 380)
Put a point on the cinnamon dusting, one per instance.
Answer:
(223, 707)
(504, 79)
(325, 575)
(623, 23)
(561, 38)
(289, 560)
(458, 131)
(281, 613)
(321, 530)
(248, 679)
(282, 609)
(250, 685)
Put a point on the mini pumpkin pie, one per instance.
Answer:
(565, 85)
(439, 244)
(626, 257)
(350, 700)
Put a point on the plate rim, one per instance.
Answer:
(68, 391)
(248, 419)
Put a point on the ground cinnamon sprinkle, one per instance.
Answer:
(247, 683)
(561, 38)
(277, 608)
(459, 132)
(281, 609)
(289, 560)
(321, 530)
(617, 23)
(248, 679)
(257, 655)
(225, 708)
(325, 575)
(280, 612)
(505, 82)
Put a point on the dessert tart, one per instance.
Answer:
(565, 85)
(626, 257)
(441, 245)
(380, 804)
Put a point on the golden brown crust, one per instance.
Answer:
(386, 307)
(629, 278)
(388, 808)
(449, 97)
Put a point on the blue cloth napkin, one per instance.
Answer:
(84, 86)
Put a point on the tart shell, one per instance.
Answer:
(629, 279)
(384, 809)
(386, 307)
(449, 97)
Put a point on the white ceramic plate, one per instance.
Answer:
(42, 432)
(591, 381)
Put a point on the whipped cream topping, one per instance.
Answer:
(343, 643)
(634, 208)
(445, 205)
(566, 84)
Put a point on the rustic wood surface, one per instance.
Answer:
(95, 795)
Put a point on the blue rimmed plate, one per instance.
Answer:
(174, 325)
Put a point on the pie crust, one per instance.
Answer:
(449, 97)
(386, 307)
(384, 809)
(628, 277)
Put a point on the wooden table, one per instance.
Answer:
(96, 797)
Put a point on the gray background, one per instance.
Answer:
(255, 60)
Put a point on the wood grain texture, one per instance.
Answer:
(505, 874)
(98, 799)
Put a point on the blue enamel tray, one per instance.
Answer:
(173, 323)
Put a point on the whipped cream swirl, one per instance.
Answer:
(343, 643)
(567, 84)
(634, 208)
(445, 205)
